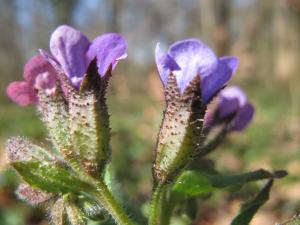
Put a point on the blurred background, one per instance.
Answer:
(264, 34)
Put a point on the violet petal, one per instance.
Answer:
(194, 58)
(243, 117)
(40, 74)
(234, 92)
(165, 64)
(230, 100)
(227, 107)
(51, 60)
(45, 81)
(35, 66)
(69, 47)
(213, 82)
(108, 49)
(21, 92)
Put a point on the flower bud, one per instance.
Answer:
(233, 110)
(31, 195)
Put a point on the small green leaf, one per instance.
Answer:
(20, 149)
(49, 177)
(40, 169)
(222, 181)
(192, 184)
(249, 209)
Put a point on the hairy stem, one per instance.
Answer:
(168, 206)
(155, 204)
(106, 199)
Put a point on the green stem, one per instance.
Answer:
(166, 210)
(166, 216)
(168, 205)
(101, 193)
(105, 198)
(155, 204)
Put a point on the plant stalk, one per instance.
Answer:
(167, 208)
(155, 204)
(106, 199)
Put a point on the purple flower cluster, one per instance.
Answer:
(72, 53)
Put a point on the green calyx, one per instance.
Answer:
(78, 123)
(180, 134)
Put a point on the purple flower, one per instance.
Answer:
(72, 52)
(38, 74)
(233, 105)
(190, 58)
